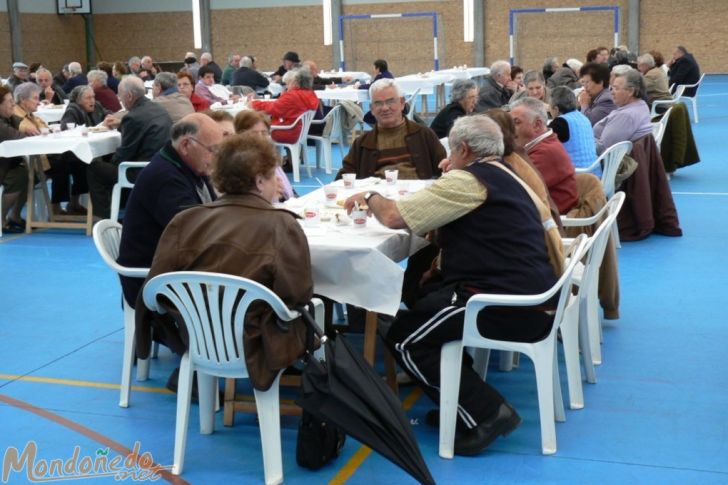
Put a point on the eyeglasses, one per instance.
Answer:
(389, 102)
(213, 149)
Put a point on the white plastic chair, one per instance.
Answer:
(297, 148)
(1, 207)
(122, 183)
(412, 100)
(659, 127)
(213, 312)
(586, 277)
(445, 142)
(107, 236)
(324, 142)
(680, 96)
(543, 354)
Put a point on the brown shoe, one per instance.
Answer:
(75, 210)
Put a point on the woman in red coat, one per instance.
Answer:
(298, 98)
(186, 86)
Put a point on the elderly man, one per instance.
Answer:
(655, 79)
(247, 75)
(566, 75)
(232, 65)
(20, 75)
(164, 90)
(176, 178)
(320, 83)
(13, 173)
(104, 95)
(492, 240)
(395, 142)
(77, 77)
(144, 130)
(191, 65)
(206, 60)
(135, 65)
(684, 69)
(51, 93)
(290, 60)
(148, 70)
(545, 151)
(497, 88)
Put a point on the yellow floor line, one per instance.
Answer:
(362, 453)
(7, 237)
(77, 383)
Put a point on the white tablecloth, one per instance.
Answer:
(51, 113)
(355, 75)
(86, 148)
(426, 83)
(357, 266)
(233, 109)
(349, 93)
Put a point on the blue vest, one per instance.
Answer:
(499, 247)
(581, 147)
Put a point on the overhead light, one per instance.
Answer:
(328, 21)
(468, 21)
(196, 24)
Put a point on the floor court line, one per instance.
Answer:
(78, 383)
(363, 452)
(722, 194)
(87, 432)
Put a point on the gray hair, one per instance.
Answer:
(382, 84)
(75, 68)
(99, 75)
(303, 78)
(246, 61)
(206, 56)
(632, 80)
(621, 69)
(574, 64)
(499, 68)
(563, 98)
(165, 80)
(134, 60)
(461, 88)
(645, 58)
(183, 128)
(25, 91)
(78, 92)
(132, 85)
(535, 108)
(480, 133)
(532, 76)
(147, 57)
(42, 70)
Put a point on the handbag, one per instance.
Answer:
(626, 168)
(318, 441)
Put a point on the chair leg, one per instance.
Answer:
(451, 357)
(143, 364)
(296, 162)
(207, 395)
(585, 338)
(570, 337)
(128, 357)
(269, 417)
(184, 394)
(481, 357)
(592, 317)
(506, 361)
(543, 363)
(694, 99)
(327, 155)
(559, 411)
(304, 155)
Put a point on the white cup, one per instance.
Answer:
(391, 176)
(44, 131)
(84, 130)
(349, 179)
(55, 128)
(266, 96)
(331, 191)
(403, 189)
(312, 216)
(70, 126)
(359, 218)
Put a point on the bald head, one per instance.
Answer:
(196, 138)
(312, 67)
(131, 89)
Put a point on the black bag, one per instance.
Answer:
(318, 441)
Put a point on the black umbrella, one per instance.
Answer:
(347, 392)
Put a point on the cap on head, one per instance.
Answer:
(20, 65)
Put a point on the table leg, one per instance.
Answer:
(229, 404)
(89, 216)
(370, 337)
(390, 370)
(29, 200)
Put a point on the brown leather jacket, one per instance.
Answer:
(241, 235)
(422, 144)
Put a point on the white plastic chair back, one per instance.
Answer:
(299, 147)
(659, 127)
(445, 141)
(612, 157)
(323, 141)
(107, 237)
(543, 354)
(122, 183)
(412, 100)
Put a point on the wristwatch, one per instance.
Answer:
(369, 195)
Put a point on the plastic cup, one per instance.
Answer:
(70, 126)
(391, 176)
(403, 189)
(84, 130)
(359, 219)
(331, 191)
(266, 96)
(45, 131)
(312, 216)
(55, 128)
(349, 179)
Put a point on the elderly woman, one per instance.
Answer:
(631, 120)
(206, 76)
(257, 123)
(535, 87)
(656, 85)
(595, 100)
(243, 235)
(463, 99)
(185, 85)
(13, 173)
(27, 99)
(298, 98)
(573, 128)
(98, 80)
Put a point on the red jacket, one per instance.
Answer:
(555, 165)
(286, 109)
(107, 98)
(199, 103)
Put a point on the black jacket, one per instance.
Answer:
(144, 130)
(75, 114)
(246, 76)
(492, 95)
(58, 96)
(685, 71)
(444, 120)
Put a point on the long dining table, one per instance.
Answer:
(85, 147)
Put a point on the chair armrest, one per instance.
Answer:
(579, 221)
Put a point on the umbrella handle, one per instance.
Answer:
(312, 328)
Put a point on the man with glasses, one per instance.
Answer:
(395, 143)
(176, 178)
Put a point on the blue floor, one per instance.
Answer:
(656, 415)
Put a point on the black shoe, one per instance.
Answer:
(475, 440)
(432, 418)
(172, 383)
